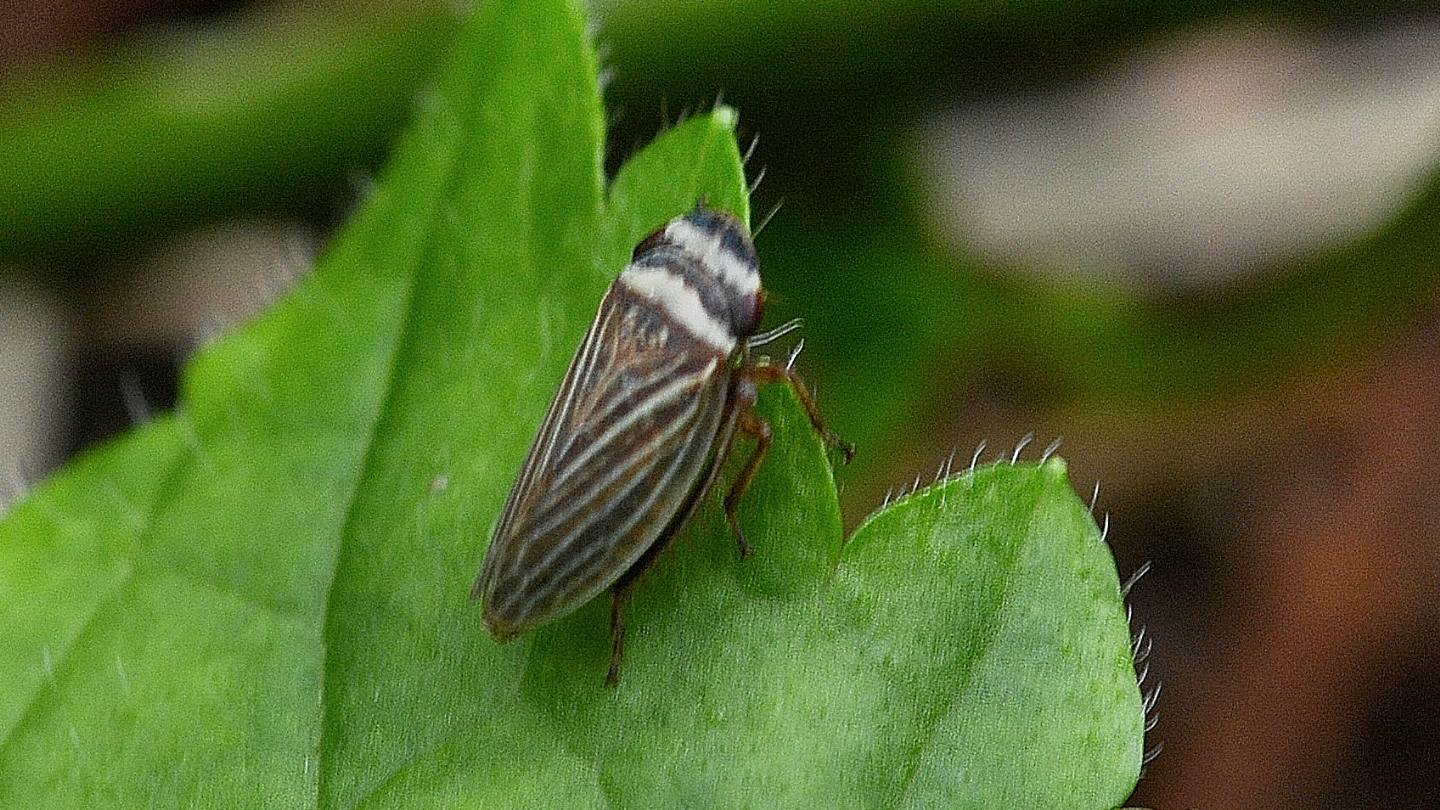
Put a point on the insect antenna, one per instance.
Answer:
(774, 334)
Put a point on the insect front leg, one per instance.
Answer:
(619, 597)
(765, 372)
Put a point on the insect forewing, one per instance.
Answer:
(617, 457)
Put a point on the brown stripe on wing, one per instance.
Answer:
(582, 370)
(619, 515)
(616, 453)
(636, 522)
(632, 390)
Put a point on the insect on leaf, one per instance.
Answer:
(261, 599)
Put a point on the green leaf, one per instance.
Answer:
(260, 600)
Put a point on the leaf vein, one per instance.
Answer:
(932, 725)
(166, 492)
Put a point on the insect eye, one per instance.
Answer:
(648, 243)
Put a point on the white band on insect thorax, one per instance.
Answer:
(680, 302)
(707, 247)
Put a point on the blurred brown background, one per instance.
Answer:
(1200, 244)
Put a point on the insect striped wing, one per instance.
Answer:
(617, 457)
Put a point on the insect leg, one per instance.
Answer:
(743, 398)
(619, 597)
(767, 373)
(751, 425)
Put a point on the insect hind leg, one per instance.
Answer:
(742, 419)
(619, 597)
(751, 425)
(625, 585)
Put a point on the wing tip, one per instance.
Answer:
(501, 630)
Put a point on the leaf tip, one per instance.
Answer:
(1055, 467)
(725, 116)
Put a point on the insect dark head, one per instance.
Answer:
(649, 243)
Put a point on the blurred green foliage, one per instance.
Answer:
(110, 150)
(923, 319)
(263, 115)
